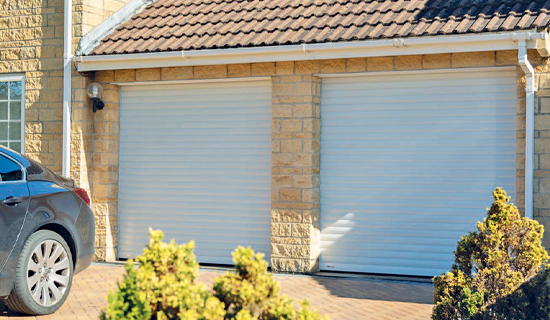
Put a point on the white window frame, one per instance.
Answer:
(17, 78)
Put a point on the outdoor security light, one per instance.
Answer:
(94, 92)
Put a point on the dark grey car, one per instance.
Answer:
(47, 235)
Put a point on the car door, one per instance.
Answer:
(14, 201)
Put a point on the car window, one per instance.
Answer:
(9, 170)
(34, 169)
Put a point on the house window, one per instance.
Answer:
(12, 100)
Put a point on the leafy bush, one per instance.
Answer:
(530, 301)
(498, 271)
(164, 287)
(252, 293)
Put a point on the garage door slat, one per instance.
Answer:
(424, 105)
(396, 98)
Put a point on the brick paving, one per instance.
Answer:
(338, 297)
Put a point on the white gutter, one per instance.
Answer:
(530, 89)
(373, 48)
(67, 56)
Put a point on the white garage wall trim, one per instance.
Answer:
(408, 164)
(195, 162)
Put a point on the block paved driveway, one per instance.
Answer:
(339, 297)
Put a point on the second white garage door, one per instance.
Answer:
(195, 162)
(408, 164)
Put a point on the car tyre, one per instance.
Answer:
(43, 275)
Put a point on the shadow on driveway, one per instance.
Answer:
(362, 298)
(378, 289)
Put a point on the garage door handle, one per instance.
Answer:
(11, 201)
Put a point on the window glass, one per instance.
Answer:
(11, 110)
(15, 90)
(15, 110)
(15, 145)
(15, 130)
(9, 170)
(3, 110)
(3, 131)
(3, 91)
(34, 169)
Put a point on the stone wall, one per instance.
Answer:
(105, 170)
(96, 11)
(296, 141)
(31, 43)
(295, 215)
(542, 145)
(91, 133)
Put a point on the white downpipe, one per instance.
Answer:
(530, 89)
(67, 57)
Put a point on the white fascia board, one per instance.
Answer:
(92, 38)
(339, 50)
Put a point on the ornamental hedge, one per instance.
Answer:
(500, 270)
(164, 286)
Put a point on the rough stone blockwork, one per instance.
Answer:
(542, 145)
(95, 138)
(30, 40)
(105, 169)
(31, 43)
(295, 165)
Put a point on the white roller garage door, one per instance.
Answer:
(195, 162)
(408, 164)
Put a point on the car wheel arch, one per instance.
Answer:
(65, 234)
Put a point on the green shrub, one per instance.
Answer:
(252, 293)
(164, 287)
(530, 301)
(498, 271)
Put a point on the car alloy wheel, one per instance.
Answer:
(48, 273)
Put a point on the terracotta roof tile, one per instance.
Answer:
(169, 25)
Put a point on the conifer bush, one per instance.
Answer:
(499, 270)
(252, 293)
(163, 287)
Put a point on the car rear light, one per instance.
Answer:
(83, 195)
